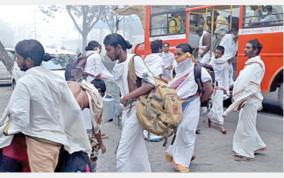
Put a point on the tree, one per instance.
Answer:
(84, 17)
(111, 18)
(138, 10)
(5, 58)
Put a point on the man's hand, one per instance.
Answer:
(241, 105)
(124, 100)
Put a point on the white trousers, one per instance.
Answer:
(246, 138)
(132, 155)
(183, 146)
(217, 109)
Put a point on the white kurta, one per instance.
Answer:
(155, 64)
(221, 71)
(230, 46)
(95, 66)
(247, 88)
(206, 57)
(132, 155)
(183, 146)
(169, 60)
(43, 106)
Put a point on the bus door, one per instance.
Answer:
(218, 20)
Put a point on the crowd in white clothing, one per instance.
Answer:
(31, 110)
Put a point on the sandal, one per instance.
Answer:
(209, 122)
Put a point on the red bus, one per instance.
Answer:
(249, 23)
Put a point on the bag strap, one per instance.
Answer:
(131, 77)
(197, 77)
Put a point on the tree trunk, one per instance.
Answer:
(5, 58)
(84, 41)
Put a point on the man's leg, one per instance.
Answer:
(43, 157)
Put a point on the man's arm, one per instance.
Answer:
(18, 110)
(144, 89)
(207, 87)
(206, 42)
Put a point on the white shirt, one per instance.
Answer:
(155, 64)
(201, 48)
(168, 59)
(188, 87)
(95, 66)
(43, 106)
(121, 72)
(230, 46)
(221, 70)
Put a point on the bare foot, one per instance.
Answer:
(223, 130)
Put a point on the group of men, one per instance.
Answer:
(45, 117)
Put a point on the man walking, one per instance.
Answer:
(248, 99)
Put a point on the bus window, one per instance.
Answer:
(167, 20)
(159, 25)
(262, 16)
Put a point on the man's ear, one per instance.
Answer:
(29, 62)
(118, 47)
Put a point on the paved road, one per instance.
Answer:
(213, 150)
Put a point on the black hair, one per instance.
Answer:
(268, 7)
(256, 45)
(32, 49)
(185, 47)
(93, 44)
(116, 39)
(220, 48)
(156, 46)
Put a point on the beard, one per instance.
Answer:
(23, 67)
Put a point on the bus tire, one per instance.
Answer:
(280, 95)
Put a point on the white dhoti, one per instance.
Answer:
(246, 138)
(216, 112)
(231, 74)
(132, 155)
(183, 146)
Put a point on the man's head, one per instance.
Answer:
(93, 45)
(166, 47)
(219, 51)
(182, 49)
(115, 45)
(199, 31)
(30, 53)
(252, 48)
(156, 46)
(268, 8)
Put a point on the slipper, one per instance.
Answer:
(260, 151)
(193, 157)
(241, 158)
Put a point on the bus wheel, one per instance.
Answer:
(280, 95)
